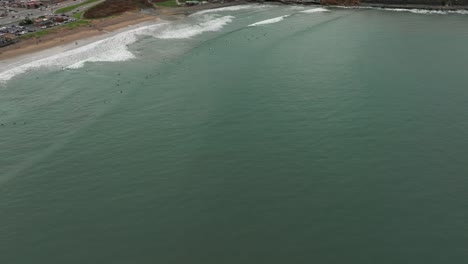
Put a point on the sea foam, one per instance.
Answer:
(268, 21)
(115, 48)
(315, 10)
(188, 30)
(414, 11)
(230, 9)
(110, 49)
(427, 11)
(417, 11)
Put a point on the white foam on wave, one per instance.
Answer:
(414, 11)
(268, 21)
(315, 10)
(208, 23)
(115, 48)
(417, 11)
(296, 7)
(107, 50)
(427, 11)
(229, 9)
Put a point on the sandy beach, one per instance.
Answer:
(65, 36)
(65, 39)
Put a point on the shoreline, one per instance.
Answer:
(65, 39)
(80, 39)
(410, 7)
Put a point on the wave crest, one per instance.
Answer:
(268, 21)
(414, 11)
(315, 10)
(190, 30)
(229, 9)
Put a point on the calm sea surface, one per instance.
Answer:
(324, 136)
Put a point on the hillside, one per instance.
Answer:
(115, 7)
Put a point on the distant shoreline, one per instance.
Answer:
(62, 40)
(426, 7)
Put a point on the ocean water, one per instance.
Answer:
(248, 134)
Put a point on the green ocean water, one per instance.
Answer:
(333, 136)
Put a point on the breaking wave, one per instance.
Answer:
(414, 11)
(115, 48)
(229, 9)
(268, 21)
(315, 10)
(190, 30)
(418, 11)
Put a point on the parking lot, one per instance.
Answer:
(16, 14)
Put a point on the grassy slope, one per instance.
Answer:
(74, 24)
(70, 8)
(170, 3)
(78, 15)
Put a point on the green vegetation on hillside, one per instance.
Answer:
(70, 8)
(26, 22)
(114, 7)
(37, 34)
(74, 24)
(78, 23)
(78, 15)
(169, 3)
